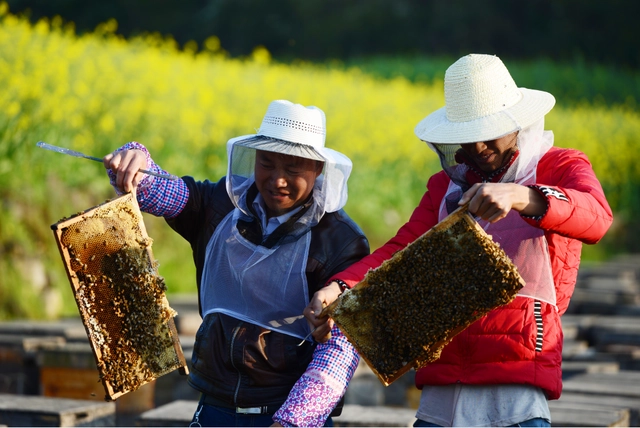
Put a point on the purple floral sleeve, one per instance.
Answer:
(319, 389)
(156, 196)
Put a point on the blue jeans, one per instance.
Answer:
(536, 422)
(214, 416)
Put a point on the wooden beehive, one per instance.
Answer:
(403, 313)
(120, 295)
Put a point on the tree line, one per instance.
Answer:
(595, 31)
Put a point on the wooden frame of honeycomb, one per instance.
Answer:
(403, 313)
(120, 295)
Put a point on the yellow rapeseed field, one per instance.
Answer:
(95, 92)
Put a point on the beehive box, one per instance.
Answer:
(404, 312)
(120, 295)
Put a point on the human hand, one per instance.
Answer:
(321, 299)
(276, 424)
(493, 201)
(126, 164)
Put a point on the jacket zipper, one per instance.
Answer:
(537, 313)
(233, 339)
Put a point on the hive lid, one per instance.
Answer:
(120, 295)
(403, 313)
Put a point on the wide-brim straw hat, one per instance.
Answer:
(290, 129)
(482, 103)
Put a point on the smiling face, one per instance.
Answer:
(491, 155)
(284, 181)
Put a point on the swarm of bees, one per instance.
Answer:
(120, 295)
(403, 313)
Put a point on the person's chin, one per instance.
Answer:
(486, 163)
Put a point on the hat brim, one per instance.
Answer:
(268, 144)
(533, 105)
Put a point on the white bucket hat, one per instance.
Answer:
(482, 102)
(290, 129)
(295, 130)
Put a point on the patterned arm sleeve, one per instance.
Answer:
(320, 388)
(156, 196)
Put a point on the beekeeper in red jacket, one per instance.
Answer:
(540, 203)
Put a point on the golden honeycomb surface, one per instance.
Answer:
(120, 295)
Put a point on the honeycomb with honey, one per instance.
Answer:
(120, 295)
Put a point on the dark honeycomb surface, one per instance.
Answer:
(404, 312)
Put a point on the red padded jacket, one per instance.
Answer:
(500, 348)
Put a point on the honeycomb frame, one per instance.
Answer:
(404, 312)
(120, 296)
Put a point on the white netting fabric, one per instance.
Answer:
(263, 286)
(524, 244)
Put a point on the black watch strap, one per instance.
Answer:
(343, 285)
